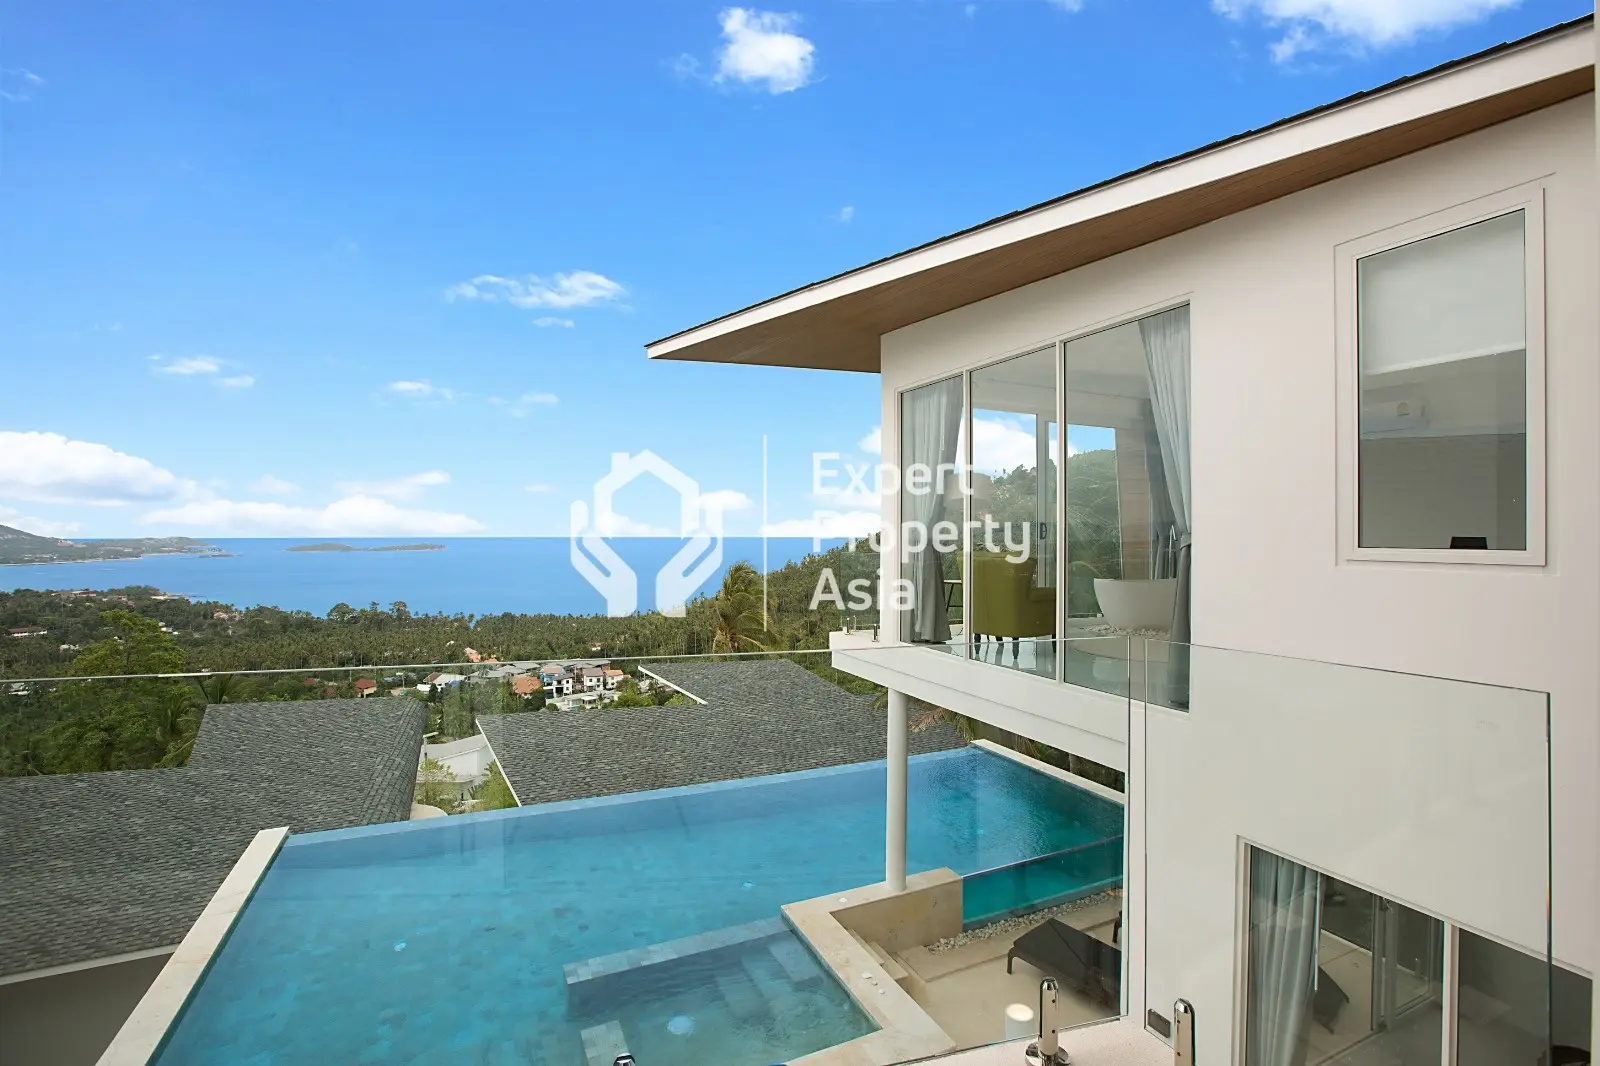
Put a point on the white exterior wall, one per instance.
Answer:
(1268, 576)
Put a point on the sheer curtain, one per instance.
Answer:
(1284, 901)
(1166, 357)
(931, 417)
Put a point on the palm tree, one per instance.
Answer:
(176, 726)
(740, 621)
(216, 688)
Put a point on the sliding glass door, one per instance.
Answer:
(1337, 974)
(986, 495)
(1015, 450)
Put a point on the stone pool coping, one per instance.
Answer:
(905, 1031)
(141, 1036)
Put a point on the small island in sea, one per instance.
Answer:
(335, 546)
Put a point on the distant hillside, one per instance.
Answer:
(18, 547)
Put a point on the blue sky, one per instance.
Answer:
(341, 268)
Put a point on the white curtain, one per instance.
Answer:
(1166, 358)
(932, 427)
(1284, 899)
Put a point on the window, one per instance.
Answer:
(1336, 975)
(1449, 391)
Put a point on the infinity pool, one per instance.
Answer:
(445, 941)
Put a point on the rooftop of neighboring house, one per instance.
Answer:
(118, 862)
(363, 684)
(759, 717)
(525, 685)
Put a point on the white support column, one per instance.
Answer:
(894, 835)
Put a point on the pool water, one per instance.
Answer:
(446, 940)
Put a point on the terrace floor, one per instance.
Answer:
(966, 989)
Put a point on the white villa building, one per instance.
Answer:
(1330, 394)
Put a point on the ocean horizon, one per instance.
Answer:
(470, 575)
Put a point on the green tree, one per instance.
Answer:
(495, 793)
(740, 625)
(436, 785)
(137, 646)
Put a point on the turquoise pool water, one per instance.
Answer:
(445, 941)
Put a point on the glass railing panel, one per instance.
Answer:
(1038, 844)
(1354, 862)
(553, 878)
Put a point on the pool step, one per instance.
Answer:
(590, 980)
(798, 964)
(602, 1044)
(769, 979)
(739, 993)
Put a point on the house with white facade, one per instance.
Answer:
(1309, 548)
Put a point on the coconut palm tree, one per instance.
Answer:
(740, 622)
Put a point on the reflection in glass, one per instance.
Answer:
(1512, 1007)
(931, 508)
(1338, 974)
(1014, 440)
(1129, 500)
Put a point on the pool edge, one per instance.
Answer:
(143, 1033)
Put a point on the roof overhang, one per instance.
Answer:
(836, 324)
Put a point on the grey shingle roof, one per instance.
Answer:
(107, 863)
(760, 717)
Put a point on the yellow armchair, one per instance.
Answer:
(1005, 601)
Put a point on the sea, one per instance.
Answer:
(469, 575)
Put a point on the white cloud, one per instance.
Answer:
(18, 84)
(580, 288)
(519, 406)
(538, 488)
(760, 48)
(827, 526)
(620, 525)
(268, 485)
(846, 213)
(726, 500)
(546, 321)
(403, 488)
(50, 468)
(872, 443)
(1066, 5)
(421, 390)
(205, 366)
(41, 527)
(1309, 23)
(1001, 444)
(186, 366)
(353, 516)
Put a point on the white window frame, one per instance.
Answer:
(1529, 199)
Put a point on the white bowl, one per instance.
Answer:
(1137, 604)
